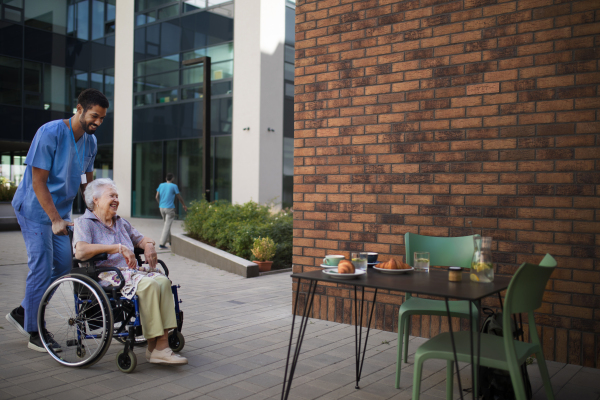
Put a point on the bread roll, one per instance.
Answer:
(345, 267)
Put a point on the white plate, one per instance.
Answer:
(328, 266)
(334, 274)
(393, 271)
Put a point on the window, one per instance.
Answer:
(168, 63)
(220, 53)
(10, 84)
(98, 19)
(147, 175)
(82, 22)
(32, 79)
(166, 96)
(46, 15)
(158, 81)
(141, 5)
(109, 82)
(168, 12)
(13, 10)
(96, 80)
(193, 5)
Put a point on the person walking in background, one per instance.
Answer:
(165, 196)
(59, 162)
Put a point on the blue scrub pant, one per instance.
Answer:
(48, 257)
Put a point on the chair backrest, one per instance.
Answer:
(526, 288)
(445, 251)
(524, 295)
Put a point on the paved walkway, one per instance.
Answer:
(237, 332)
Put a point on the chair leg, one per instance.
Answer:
(449, 379)
(417, 377)
(399, 349)
(406, 326)
(545, 375)
(517, 380)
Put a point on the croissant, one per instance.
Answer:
(345, 267)
(393, 264)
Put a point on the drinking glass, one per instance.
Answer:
(359, 260)
(422, 261)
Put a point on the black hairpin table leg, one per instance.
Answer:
(358, 319)
(287, 381)
(454, 347)
(478, 348)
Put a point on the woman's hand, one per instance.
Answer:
(129, 257)
(150, 255)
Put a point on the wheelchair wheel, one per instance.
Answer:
(176, 341)
(126, 361)
(77, 313)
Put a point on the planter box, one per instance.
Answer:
(195, 250)
(8, 219)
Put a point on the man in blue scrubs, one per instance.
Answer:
(60, 161)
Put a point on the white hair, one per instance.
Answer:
(94, 190)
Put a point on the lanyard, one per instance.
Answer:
(80, 160)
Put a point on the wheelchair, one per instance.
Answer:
(83, 317)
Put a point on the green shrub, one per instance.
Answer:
(7, 189)
(235, 227)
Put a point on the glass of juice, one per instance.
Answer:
(421, 261)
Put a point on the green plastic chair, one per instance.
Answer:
(524, 295)
(445, 251)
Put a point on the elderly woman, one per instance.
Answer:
(101, 230)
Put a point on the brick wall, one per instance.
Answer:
(418, 116)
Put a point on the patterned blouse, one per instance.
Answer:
(89, 229)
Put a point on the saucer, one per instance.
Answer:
(393, 271)
(337, 275)
(328, 266)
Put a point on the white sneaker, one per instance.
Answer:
(148, 352)
(167, 357)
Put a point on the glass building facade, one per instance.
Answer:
(168, 100)
(50, 50)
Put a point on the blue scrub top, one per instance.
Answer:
(167, 192)
(53, 150)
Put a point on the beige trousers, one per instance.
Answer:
(168, 215)
(157, 308)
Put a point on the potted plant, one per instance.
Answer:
(7, 189)
(263, 250)
(8, 219)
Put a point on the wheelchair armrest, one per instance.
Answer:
(137, 251)
(96, 258)
(113, 269)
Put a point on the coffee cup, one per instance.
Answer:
(333, 260)
(372, 257)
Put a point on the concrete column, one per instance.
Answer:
(122, 147)
(257, 153)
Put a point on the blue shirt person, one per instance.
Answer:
(60, 161)
(166, 193)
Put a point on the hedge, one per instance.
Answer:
(234, 227)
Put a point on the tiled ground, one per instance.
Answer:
(236, 331)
